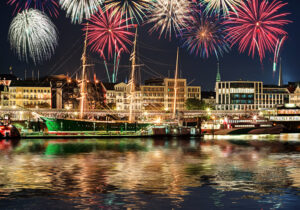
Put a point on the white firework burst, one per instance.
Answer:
(80, 9)
(221, 6)
(168, 16)
(33, 36)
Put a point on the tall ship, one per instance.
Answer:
(130, 127)
(84, 126)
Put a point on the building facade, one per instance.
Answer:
(295, 97)
(29, 94)
(155, 95)
(249, 95)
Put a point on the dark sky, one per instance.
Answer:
(234, 66)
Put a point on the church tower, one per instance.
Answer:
(218, 77)
(280, 82)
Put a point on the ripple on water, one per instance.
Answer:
(150, 173)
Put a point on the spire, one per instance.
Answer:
(218, 78)
(280, 82)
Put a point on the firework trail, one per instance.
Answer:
(277, 51)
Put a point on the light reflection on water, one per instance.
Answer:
(150, 173)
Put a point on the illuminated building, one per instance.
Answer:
(249, 95)
(295, 97)
(155, 94)
(209, 97)
(158, 94)
(66, 92)
(4, 96)
(29, 94)
(118, 96)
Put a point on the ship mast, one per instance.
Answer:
(175, 85)
(83, 89)
(132, 82)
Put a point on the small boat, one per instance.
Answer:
(8, 131)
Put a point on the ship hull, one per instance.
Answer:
(55, 125)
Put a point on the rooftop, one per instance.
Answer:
(29, 83)
(109, 85)
(8, 77)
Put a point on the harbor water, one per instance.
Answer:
(221, 172)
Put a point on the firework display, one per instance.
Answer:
(108, 32)
(221, 6)
(205, 27)
(257, 26)
(33, 36)
(134, 9)
(80, 9)
(48, 6)
(169, 15)
(205, 36)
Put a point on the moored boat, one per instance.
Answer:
(9, 131)
(241, 125)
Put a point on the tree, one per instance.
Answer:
(196, 104)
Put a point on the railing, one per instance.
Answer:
(102, 113)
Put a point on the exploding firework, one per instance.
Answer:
(134, 9)
(109, 32)
(48, 6)
(257, 26)
(221, 6)
(80, 9)
(205, 36)
(169, 15)
(33, 36)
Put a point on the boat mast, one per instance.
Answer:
(83, 89)
(175, 85)
(132, 82)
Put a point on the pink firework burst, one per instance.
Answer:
(257, 25)
(108, 32)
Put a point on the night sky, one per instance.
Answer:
(158, 55)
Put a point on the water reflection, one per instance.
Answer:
(135, 173)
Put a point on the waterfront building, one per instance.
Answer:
(249, 95)
(118, 96)
(4, 96)
(29, 94)
(110, 94)
(65, 91)
(209, 98)
(295, 97)
(156, 94)
(153, 92)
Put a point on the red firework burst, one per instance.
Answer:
(257, 26)
(49, 6)
(109, 32)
